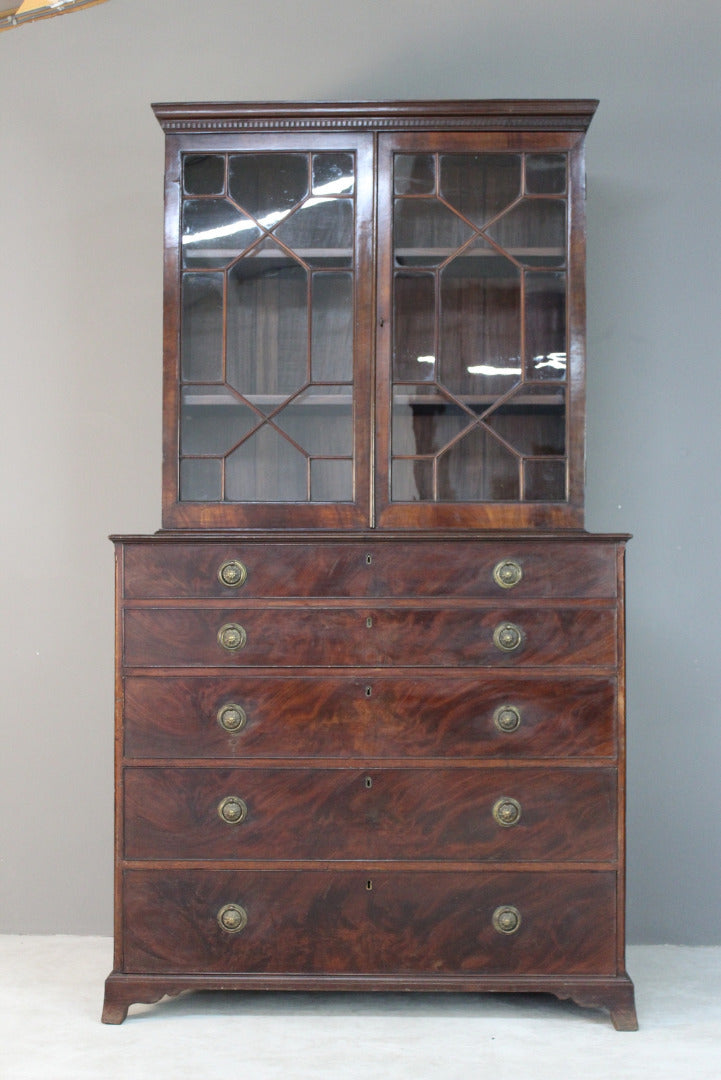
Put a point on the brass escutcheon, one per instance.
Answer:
(232, 918)
(232, 637)
(232, 573)
(506, 919)
(507, 718)
(232, 717)
(507, 573)
(232, 810)
(507, 637)
(506, 811)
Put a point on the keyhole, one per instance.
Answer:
(369, 885)
(368, 782)
(369, 691)
(369, 622)
(369, 560)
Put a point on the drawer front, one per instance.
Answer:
(509, 815)
(372, 568)
(368, 922)
(369, 637)
(378, 716)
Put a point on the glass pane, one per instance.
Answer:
(332, 327)
(545, 174)
(545, 481)
(204, 174)
(266, 468)
(331, 481)
(480, 185)
(478, 468)
(212, 420)
(333, 174)
(215, 232)
(321, 231)
(412, 481)
(533, 420)
(480, 328)
(268, 186)
(425, 232)
(424, 420)
(545, 326)
(201, 480)
(267, 337)
(202, 328)
(320, 420)
(414, 174)
(534, 231)
(414, 327)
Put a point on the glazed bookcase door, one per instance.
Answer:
(268, 282)
(481, 315)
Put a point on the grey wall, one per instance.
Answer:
(81, 163)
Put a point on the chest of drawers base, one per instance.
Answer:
(370, 763)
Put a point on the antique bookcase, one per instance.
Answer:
(370, 673)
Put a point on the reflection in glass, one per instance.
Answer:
(532, 421)
(414, 174)
(332, 327)
(201, 480)
(214, 232)
(414, 327)
(480, 185)
(412, 481)
(202, 328)
(267, 325)
(268, 186)
(266, 468)
(425, 420)
(480, 327)
(212, 420)
(425, 232)
(545, 174)
(321, 231)
(545, 325)
(333, 174)
(320, 420)
(331, 480)
(534, 231)
(203, 174)
(545, 481)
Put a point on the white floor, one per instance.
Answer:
(51, 992)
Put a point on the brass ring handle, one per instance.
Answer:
(507, 811)
(507, 573)
(232, 810)
(506, 919)
(507, 637)
(507, 718)
(232, 717)
(232, 637)
(232, 573)
(232, 918)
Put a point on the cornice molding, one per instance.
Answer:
(527, 115)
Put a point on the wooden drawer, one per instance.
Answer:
(346, 813)
(369, 921)
(369, 636)
(373, 717)
(371, 568)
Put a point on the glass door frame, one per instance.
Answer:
(182, 514)
(483, 515)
